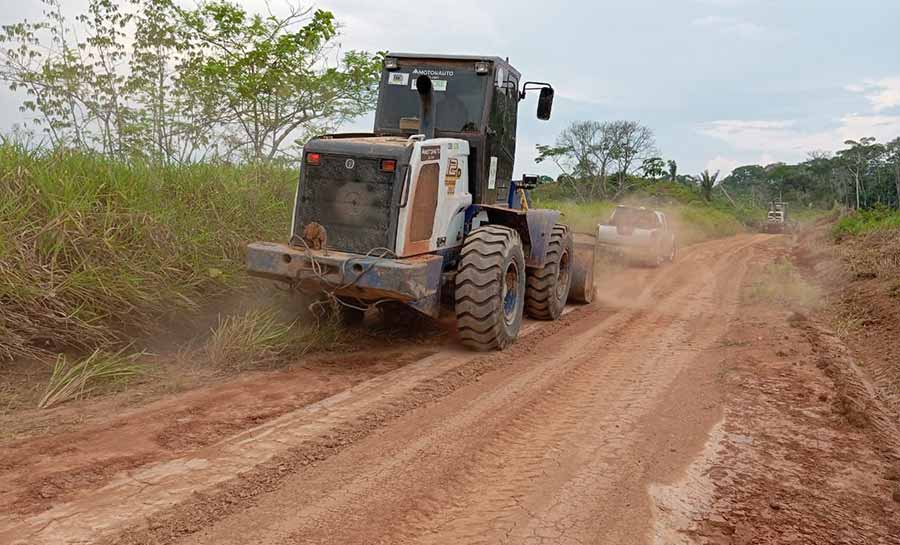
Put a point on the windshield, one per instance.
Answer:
(458, 98)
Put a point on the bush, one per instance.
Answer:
(91, 248)
(867, 221)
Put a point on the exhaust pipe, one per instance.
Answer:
(426, 106)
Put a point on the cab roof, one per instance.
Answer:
(473, 58)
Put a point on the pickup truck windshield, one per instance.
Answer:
(458, 98)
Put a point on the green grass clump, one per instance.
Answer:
(92, 248)
(867, 221)
(262, 336)
(74, 380)
(247, 340)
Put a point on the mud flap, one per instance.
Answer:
(582, 290)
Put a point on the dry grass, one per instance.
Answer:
(781, 283)
(873, 255)
(75, 380)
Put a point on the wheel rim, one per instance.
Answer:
(562, 275)
(510, 293)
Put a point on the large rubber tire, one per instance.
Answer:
(582, 289)
(490, 288)
(548, 287)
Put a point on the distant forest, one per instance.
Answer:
(865, 174)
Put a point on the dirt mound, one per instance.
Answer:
(806, 453)
(861, 277)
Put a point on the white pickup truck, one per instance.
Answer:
(636, 232)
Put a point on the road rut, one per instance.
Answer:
(554, 441)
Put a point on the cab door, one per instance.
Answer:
(502, 135)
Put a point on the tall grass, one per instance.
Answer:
(697, 222)
(583, 217)
(91, 248)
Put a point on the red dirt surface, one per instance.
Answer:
(673, 410)
(805, 454)
(38, 473)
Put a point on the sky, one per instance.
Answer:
(722, 83)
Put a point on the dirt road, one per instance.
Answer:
(600, 428)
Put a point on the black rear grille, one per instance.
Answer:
(353, 199)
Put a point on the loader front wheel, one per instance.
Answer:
(490, 288)
(548, 287)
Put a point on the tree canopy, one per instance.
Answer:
(172, 84)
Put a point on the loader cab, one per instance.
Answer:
(475, 99)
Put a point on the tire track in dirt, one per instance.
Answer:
(153, 487)
(558, 361)
(470, 476)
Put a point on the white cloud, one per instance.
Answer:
(787, 141)
(882, 127)
(883, 94)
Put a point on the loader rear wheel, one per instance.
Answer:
(548, 287)
(490, 288)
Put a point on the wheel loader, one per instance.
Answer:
(423, 211)
(776, 219)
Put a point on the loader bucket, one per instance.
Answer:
(582, 290)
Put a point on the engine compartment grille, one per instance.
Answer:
(353, 199)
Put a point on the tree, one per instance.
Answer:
(653, 167)
(583, 152)
(158, 82)
(858, 159)
(707, 183)
(673, 170)
(586, 150)
(170, 123)
(265, 78)
(632, 141)
(892, 150)
(72, 86)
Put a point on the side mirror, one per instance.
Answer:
(545, 103)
